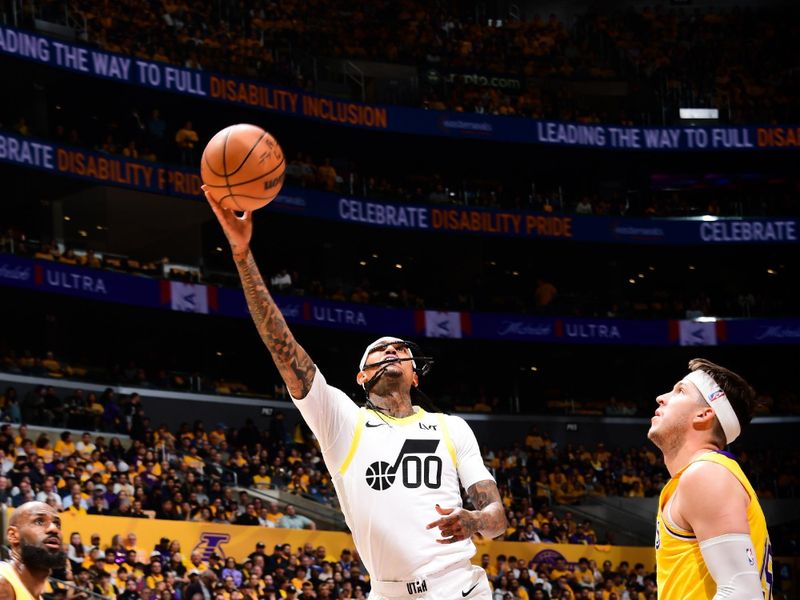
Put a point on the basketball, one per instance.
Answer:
(243, 167)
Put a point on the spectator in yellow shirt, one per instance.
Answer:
(608, 592)
(557, 479)
(65, 446)
(94, 405)
(274, 513)
(92, 559)
(109, 564)
(238, 459)
(560, 570)
(217, 435)
(22, 435)
(562, 589)
(187, 139)
(517, 590)
(105, 587)
(196, 562)
(299, 481)
(193, 460)
(299, 576)
(584, 576)
(165, 436)
(156, 574)
(618, 585)
(44, 449)
(262, 480)
(96, 464)
(85, 447)
(77, 506)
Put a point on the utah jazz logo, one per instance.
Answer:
(417, 463)
(210, 543)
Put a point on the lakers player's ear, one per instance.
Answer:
(705, 417)
(415, 380)
(361, 377)
(12, 534)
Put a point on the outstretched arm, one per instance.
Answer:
(293, 362)
(488, 518)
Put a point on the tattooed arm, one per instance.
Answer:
(488, 518)
(492, 515)
(294, 364)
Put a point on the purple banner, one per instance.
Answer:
(94, 284)
(110, 286)
(257, 95)
(323, 313)
(762, 331)
(185, 182)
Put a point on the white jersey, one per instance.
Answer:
(390, 474)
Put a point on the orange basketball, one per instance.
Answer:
(243, 167)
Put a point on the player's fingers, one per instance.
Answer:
(452, 529)
(449, 540)
(208, 195)
(438, 523)
(454, 526)
(224, 215)
(444, 511)
(443, 521)
(212, 202)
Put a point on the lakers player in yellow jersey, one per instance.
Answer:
(711, 535)
(34, 535)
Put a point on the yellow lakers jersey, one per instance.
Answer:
(8, 572)
(681, 570)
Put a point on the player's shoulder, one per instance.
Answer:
(454, 421)
(6, 589)
(458, 427)
(320, 386)
(708, 466)
(704, 479)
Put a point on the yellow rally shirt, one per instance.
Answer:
(682, 572)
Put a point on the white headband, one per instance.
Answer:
(381, 342)
(716, 398)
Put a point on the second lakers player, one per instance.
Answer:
(711, 535)
(34, 536)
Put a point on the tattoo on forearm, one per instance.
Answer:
(294, 364)
(491, 516)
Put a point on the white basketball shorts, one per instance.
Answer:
(462, 580)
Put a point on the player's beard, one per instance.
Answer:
(669, 437)
(389, 381)
(40, 558)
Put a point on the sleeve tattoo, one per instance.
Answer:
(485, 497)
(294, 364)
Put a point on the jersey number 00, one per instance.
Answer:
(417, 463)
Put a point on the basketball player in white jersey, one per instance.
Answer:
(34, 535)
(396, 468)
